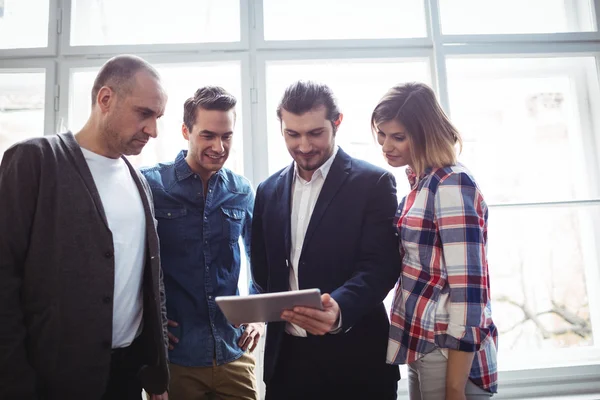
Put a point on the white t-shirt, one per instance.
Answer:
(125, 215)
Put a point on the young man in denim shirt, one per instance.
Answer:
(202, 210)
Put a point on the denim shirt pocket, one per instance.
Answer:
(170, 223)
(232, 223)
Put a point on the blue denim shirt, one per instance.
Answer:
(200, 256)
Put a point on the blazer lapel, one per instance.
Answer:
(79, 160)
(335, 179)
(284, 191)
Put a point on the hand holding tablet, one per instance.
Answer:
(266, 307)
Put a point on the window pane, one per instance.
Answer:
(20, 27)
(180, 82)
(516, 16)
(526, 126)
(543, 271)
(116, 22)
(21, 107)
(351, 19)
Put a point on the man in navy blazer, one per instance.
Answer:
(325, 222)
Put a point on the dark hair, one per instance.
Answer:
(208, 98)
(118, 73)
(303, 96)
(431, 135)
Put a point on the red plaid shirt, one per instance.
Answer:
(443, 297)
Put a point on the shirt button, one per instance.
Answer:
(205, 218)
(168, 214)
(209, 297)
(108, 254)
(210, 191)
(106, 299)
(206, 242)
(195, 176)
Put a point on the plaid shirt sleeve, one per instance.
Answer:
(461, 219)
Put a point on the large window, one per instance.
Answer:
(519, 78)
(526, 124)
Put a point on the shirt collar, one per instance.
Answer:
(323, 170)
(412, 176)
(183, 170)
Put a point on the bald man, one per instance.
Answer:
(82, 303)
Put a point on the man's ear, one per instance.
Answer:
(337, 122)
(105, 98)
(185, 132)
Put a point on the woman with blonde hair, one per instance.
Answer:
(441, 322)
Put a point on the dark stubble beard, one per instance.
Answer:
(314, 167)
(116, 144)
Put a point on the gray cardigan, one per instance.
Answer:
(57, 277)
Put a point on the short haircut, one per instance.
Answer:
(431, 135)
(119, 72)
(303, 96)
(207, 98)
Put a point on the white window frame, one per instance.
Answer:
(59, 57)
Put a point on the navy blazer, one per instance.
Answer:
(350, 250)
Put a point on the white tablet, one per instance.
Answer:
(266, 307)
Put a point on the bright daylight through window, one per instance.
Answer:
(519, 78)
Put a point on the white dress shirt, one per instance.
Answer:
(304, 199)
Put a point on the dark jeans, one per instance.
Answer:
(124, 382)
